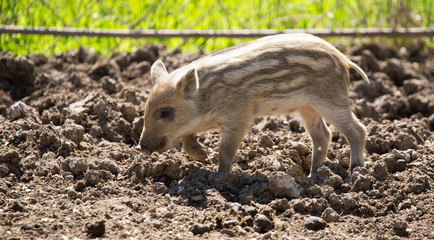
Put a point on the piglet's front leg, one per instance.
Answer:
(193, 148)
(232, 136)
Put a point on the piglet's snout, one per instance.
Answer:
(143, 148)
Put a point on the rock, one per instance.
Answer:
(411, 86)
(380, 170)
(78, 166)
(229, 223)
(236, 207)
(370, 61)
(263, 224)
(314, 190)
(110, 85)
(20, 110)
(16, 206)
(92, 177)
(315, 223)
(80, 186)
(100, 108)
(283, 185)
(74, 132)
(268, 211)
(266, 141)
(344, 161)
(250, 210)
(416, 184)
(4, 170)
(129, 112)
(145, 54)
(431, 122)
(316, 205)
(95, 228)
(335, 181)
(121, 59)
(71, 193)
(272, 163)
(299, 205)
(4, 187)
(52, 115)
(136, 70)
(404, 205)
(82, 54)
(348, 202)
(380, 51)
(96, 131)
(322, 173)
(416, 48)
(49, 138)
(10, 156)
(360, 181)
(18, 71)
(280, 205)
(79, 107)
(330, 215)
(400, 225)
(228, 232)
(395, 71)
(201, 229)
(103, 68)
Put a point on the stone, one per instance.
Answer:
(266, 141)
(229, 223)
(4, 170)
(404, 205)
(335, 181)
(20, 110)
(201, 229)
(95, 228)
(263, 224)
(228, 232)
(79, 107)
(395, 70)
(315, 223)
(330, 215)
(80, 186)
(380, 170)
(78, 166)
(400, 225)
(129, 112)
(361, 182)
(110, 85)
(283, 185)
(73, 132)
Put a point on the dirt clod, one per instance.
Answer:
(200, 229)
(315, 223)
(263, 223)
(330, 215)
(95, 228)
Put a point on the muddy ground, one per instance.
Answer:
(68, 169)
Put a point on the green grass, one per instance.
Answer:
(195, 14)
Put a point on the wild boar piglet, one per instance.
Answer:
(280, 74)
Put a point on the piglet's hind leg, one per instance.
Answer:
(319, 133)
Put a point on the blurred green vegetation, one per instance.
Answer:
(195, 14)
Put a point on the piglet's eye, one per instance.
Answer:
(166, 114)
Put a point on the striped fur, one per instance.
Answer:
(272, 75)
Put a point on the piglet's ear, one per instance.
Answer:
(189, 83)
(158, 70)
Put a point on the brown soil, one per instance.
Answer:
(68, 169)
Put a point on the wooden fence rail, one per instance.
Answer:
(241, 33)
